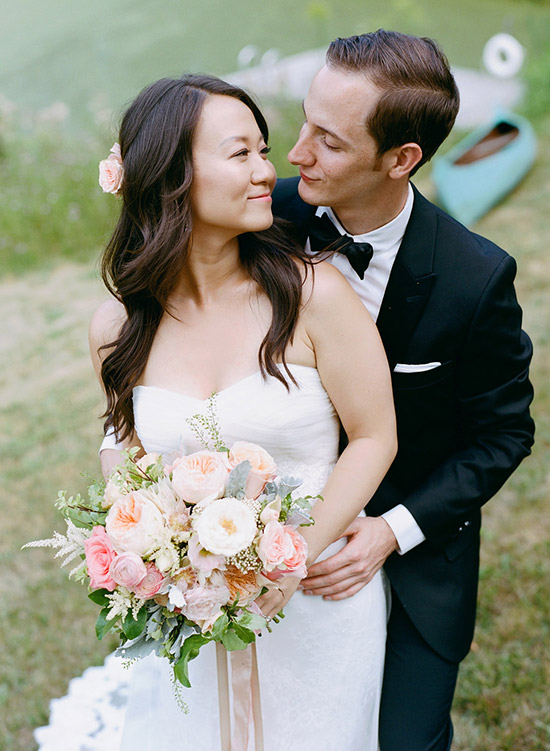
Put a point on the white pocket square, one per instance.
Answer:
(421, 368)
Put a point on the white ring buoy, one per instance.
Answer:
(503, 56)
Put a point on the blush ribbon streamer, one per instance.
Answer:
(245, 686)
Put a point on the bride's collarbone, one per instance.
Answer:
(204, 352)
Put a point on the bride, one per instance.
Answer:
(211, 297)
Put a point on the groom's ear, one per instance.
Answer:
(403, 159)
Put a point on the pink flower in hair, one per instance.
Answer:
(111, 172)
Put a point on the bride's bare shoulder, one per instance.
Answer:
(106, 323)
(324, 285)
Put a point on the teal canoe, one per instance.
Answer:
(484, 167)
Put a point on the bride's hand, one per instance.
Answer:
(277, 596)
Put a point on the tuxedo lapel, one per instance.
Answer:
(411, 281)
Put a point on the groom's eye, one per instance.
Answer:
(329, 145)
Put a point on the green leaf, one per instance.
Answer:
(84, 517)
(236, 482)
(252, 621)
(245, 634)
(220, 627)
(103, 624)
(231, 641)
(189, 651)
(99, 596)
(133, 627)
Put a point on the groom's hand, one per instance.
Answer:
(370, 542)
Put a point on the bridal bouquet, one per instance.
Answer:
(176, 550)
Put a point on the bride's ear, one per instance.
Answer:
(403, 160)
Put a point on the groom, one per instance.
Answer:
(446, 310)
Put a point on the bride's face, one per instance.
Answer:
(233, 178)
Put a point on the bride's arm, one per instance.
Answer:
(352, 364)
(104, 328)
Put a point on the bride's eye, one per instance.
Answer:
(242, 152)
(265, 151)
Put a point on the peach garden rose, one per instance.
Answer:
(263, 467)
(134, 523)
(199, 477)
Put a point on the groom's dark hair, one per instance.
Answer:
(419, 97)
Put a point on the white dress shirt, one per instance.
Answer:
(386, 241)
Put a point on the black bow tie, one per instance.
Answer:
(323, 235)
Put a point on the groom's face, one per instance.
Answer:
(337, 156)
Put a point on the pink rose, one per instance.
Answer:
(296, 555)
(151, 584)
(282, 547)
(199, 477)
(203, 604)
(263, 466)
(99, 555)
(127, 569)
(111, 172)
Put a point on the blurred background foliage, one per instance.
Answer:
(67, 68)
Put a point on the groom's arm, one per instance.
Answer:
(493, 397)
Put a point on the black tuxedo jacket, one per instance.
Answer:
(462, 427)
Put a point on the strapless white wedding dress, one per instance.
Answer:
(320, 668)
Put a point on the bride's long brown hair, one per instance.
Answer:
(147, 251)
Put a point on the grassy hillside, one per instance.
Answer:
(94, 56)
(53, 222)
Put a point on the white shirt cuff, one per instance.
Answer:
(110, 442)
(403, 525)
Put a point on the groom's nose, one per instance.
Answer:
(301, 152)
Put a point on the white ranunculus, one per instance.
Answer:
(226, 526)
(175, 597)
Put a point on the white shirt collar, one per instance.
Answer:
(382, 239)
